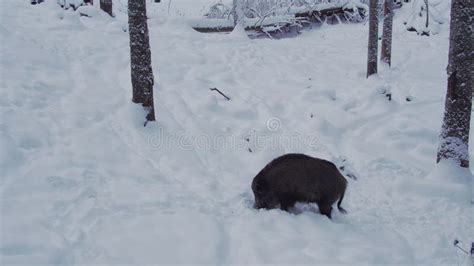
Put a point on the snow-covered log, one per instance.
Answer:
(219, 20)
(270, 24)
(351, 11)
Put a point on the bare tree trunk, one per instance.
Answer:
(387, 32)
(106, 5)
(140, 57)
(237, 11)
(373, 39)
(472, 253)
(427, 14)
(234, 11)
(454, 137)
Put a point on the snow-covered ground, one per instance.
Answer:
(83, 182)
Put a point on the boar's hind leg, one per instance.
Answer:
(325, 209)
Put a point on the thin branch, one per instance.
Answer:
(216, 89)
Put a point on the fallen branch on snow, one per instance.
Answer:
(220, 92)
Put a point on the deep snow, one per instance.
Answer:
(83, 182)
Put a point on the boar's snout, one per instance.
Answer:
(259, 205)
(266, 201)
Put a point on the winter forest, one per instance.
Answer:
(236, 132)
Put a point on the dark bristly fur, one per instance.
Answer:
(298, 177)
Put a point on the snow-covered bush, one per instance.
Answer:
(253, 8)
(219, 10)
(73, 3)
(34, 2)
(426, 16)
(265, 8)
(260, 8)
(356, 11)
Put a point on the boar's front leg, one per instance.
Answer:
(325, 209)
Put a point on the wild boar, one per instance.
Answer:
(295, 178)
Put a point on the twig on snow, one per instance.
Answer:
(220, 92)
(456, 242)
